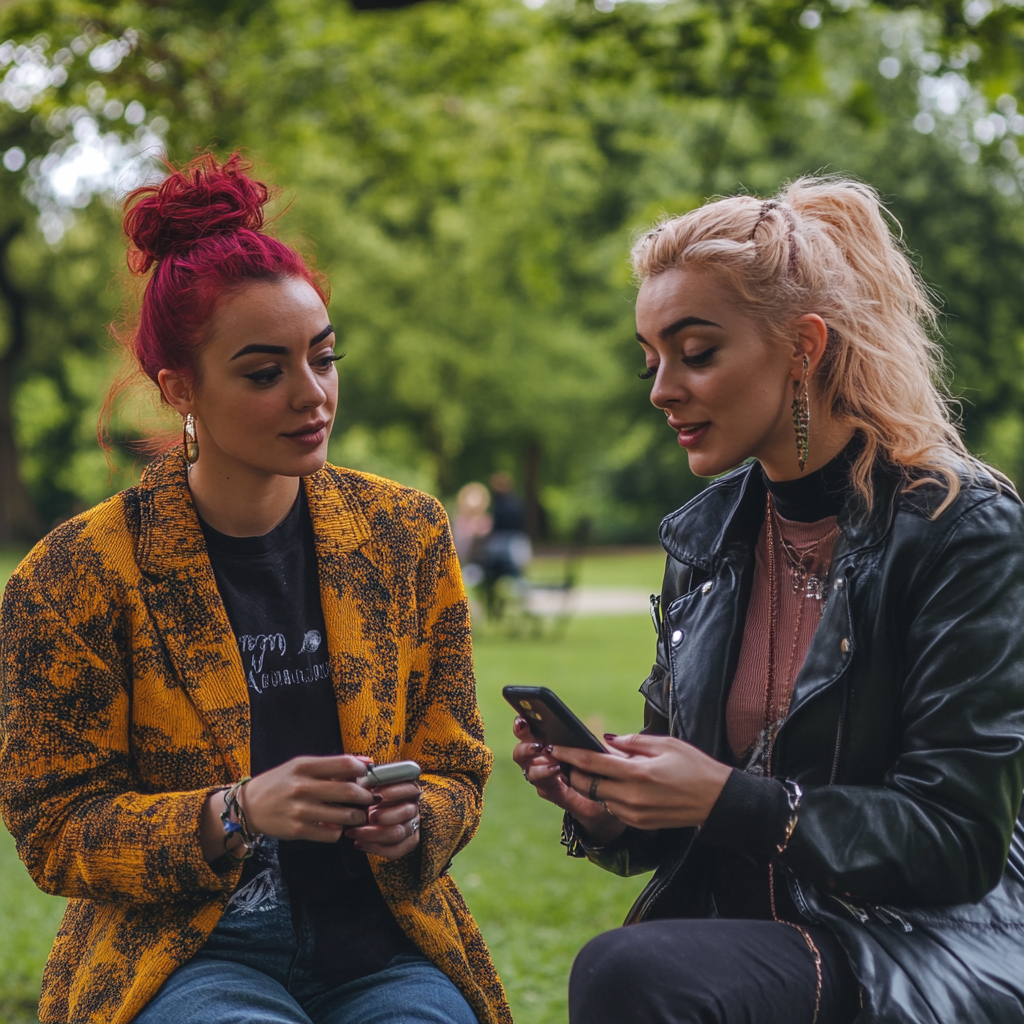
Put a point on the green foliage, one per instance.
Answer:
(471, 174)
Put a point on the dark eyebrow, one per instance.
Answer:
(687, 321)
(279, 350)
(317, 338)
(272, 350)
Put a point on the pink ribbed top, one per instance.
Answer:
(798, 616)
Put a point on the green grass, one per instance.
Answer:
(536, 906)
(641, 569)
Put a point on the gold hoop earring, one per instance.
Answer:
(190, 441)
(802, 416)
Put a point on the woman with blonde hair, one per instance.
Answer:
(830, 774)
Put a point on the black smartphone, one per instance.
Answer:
(550, 720)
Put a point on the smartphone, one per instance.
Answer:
(387, 774)
(549, 719)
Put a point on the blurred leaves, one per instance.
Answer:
(470, 174)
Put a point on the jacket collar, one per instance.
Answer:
(170, 541)
(722, 522)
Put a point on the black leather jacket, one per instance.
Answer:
(905, 731)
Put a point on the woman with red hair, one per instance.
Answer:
(198, 672)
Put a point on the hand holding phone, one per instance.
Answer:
(549, 721)
(388, 774)
(392, 828)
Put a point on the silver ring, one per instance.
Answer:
(415, 825)
(526, 774)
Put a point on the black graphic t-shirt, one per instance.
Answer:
(271, 591)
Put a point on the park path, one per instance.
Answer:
(590, 601)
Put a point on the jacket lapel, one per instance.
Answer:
(180, 591)
(716, 534)
(358, 609)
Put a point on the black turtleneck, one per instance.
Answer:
(816, 495)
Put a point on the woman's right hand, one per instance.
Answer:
(304, 798)
(544, 773)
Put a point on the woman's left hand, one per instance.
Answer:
(393, 827)
(663, 783)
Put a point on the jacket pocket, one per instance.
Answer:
(655, 689)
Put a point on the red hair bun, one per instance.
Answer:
(200, 200)
(200, 231)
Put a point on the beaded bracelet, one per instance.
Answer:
(238, 825)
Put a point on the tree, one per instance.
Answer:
(471, 174)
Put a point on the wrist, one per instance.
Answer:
(599, 830)
(718, 776)
(240, 839)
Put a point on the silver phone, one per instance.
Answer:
(388, 774)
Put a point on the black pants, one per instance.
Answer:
(710, 972)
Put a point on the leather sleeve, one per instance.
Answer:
(938, 830)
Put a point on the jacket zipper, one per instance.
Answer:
(858, 912)
(652, 896)
(890, 916)
(839, 734)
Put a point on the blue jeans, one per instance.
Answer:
(251, 971)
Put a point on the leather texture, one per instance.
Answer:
(123, 703)
(906, 732)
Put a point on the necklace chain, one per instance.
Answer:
(801, 564)
(771, 721)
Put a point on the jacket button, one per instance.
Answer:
(706, 589)
(677, 637)
(840, 583)
(844, 645)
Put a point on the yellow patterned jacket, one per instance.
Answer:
(123, 703)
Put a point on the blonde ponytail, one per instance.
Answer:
(822, 245)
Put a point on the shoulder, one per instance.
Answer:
(82, 562)
(983, 526)
(373, 491)
(982, 503)
(386, 505)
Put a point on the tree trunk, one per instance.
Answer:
(19, 519)
(536, 520)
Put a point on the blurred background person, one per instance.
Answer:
(470, 525)
(506, 551)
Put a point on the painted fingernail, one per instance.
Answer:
(610, 736)
(535, 748)
(519, 722)
(377, 798)
(549, 748)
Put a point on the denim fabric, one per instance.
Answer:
(254, 969)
